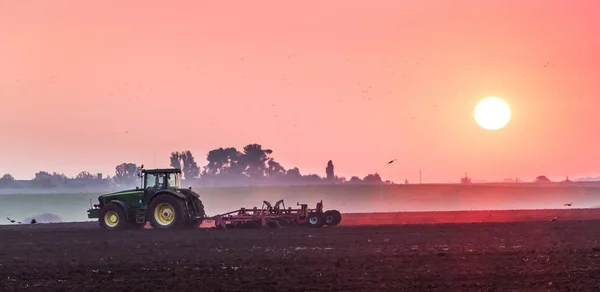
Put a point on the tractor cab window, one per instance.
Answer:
(173, 180)
(151, 181)
(161, 182)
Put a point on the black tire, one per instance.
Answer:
(195, 222)
(332, 217)
(315, 220)
(113, 217)
(200, 208)
(328, 217)
(175, 212)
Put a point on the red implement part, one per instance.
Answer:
(276, 216)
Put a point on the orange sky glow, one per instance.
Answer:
(86, 86)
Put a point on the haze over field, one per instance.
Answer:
(345, 198)
(357, 84)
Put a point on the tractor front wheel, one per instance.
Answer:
(167, 212)
(112, 217)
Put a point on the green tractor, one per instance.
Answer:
(160, 200)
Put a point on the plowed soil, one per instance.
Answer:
(499, 256)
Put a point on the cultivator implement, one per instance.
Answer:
(278, 216)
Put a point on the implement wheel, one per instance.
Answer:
(167, 212)
(333, 217)
(316, 220)
(112, 217)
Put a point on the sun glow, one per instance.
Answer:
(492, 113)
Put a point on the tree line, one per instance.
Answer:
(251, 165)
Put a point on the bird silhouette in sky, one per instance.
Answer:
(12, 221)
(569, 204)
(391, 161)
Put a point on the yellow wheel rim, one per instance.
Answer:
(164, 214)
(111, 218)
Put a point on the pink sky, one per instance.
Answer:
(313, 81)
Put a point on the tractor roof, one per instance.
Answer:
(162, 170)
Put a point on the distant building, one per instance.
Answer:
(566, 181)
(465, 180)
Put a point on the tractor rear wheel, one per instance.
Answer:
(333, 217)
(167, 212)
(113, 217)
(316, 220)
(195, 222)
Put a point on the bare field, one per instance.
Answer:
(562, 255)
(470, 216)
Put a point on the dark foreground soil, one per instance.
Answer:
(470, 216)
(525, 256)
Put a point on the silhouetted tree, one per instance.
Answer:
(329, 171)
(542, 179)
(175, 160)
(225, 165)
(43, 179)
(312, 178)
(126, 173)
(373, 179)
(85, 175)
(255, 165)
(224, 161)
(274, 169)
(293, 174)
(255, 158)
(185, 161)
(7, 180)
(47, 180)
(190, 167)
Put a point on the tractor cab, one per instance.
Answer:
(154, 180)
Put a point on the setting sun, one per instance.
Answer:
(492, 113)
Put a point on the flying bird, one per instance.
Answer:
(569, 204)
(11, 221)
(391, 161)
